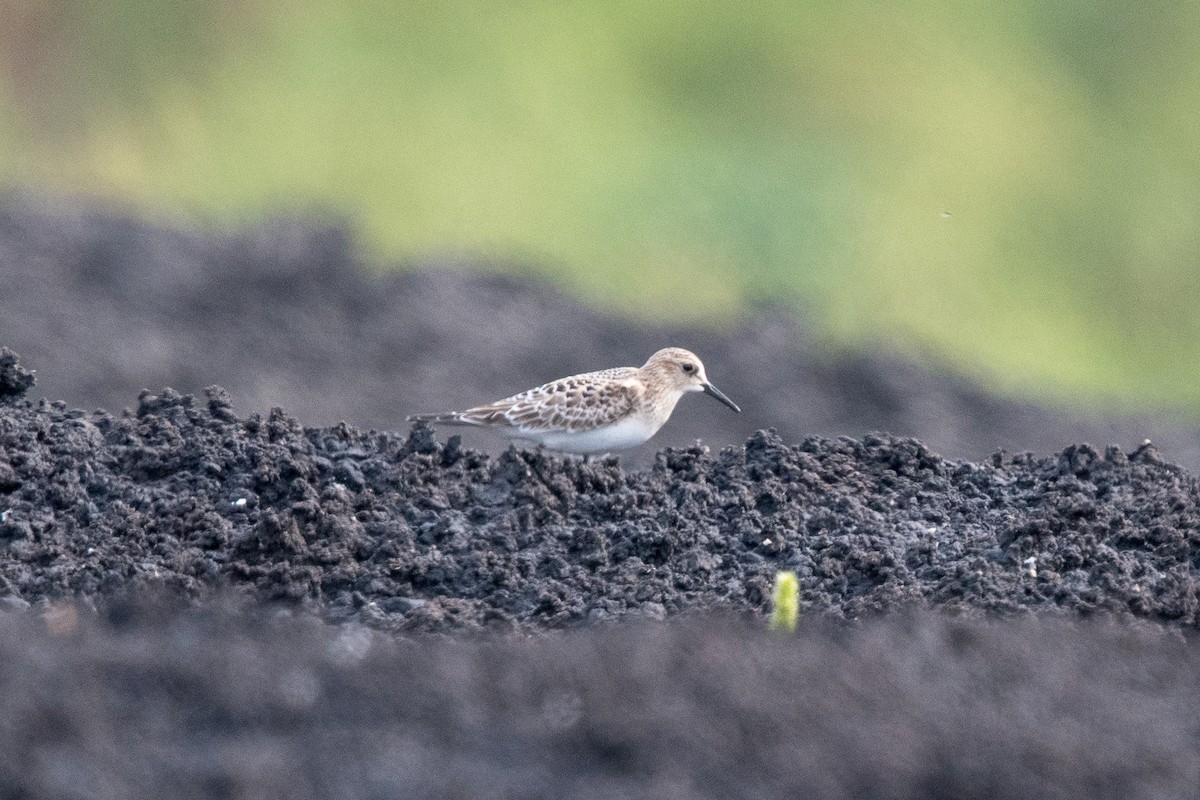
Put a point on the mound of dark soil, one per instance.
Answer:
(393, 533)
(288, 315)
(146, 702)
(404, 532)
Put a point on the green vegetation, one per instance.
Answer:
(785, 602)
(1010, 188)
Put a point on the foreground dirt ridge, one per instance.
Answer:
(147, 700)
(405, 532)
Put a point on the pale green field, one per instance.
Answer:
(1012, 188)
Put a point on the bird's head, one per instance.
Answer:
(680, 371)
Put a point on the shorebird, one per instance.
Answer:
(594, 412)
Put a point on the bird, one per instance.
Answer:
(593, 412)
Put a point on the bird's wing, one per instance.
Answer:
(578, 403)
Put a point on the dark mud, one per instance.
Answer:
(15, 380)
(330, 611)
(403, 532)
(186, 695)
(151, 702)
(291, 315)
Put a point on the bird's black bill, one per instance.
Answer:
(717, 393)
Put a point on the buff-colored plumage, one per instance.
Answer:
(593, 412)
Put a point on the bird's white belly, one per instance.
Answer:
(629, 432)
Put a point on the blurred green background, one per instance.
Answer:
(1013, 189)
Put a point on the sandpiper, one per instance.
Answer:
(594, 412)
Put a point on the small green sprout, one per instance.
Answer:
(785, 610)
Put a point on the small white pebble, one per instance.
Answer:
(1031, 566)
(239, 503)
(931, 530)
(4, 514)
(766, 542)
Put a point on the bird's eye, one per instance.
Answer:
(689, 368)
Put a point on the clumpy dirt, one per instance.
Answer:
(404, 532)
(15, 380)
(203, 597)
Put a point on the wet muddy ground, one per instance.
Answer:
(203, 597)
